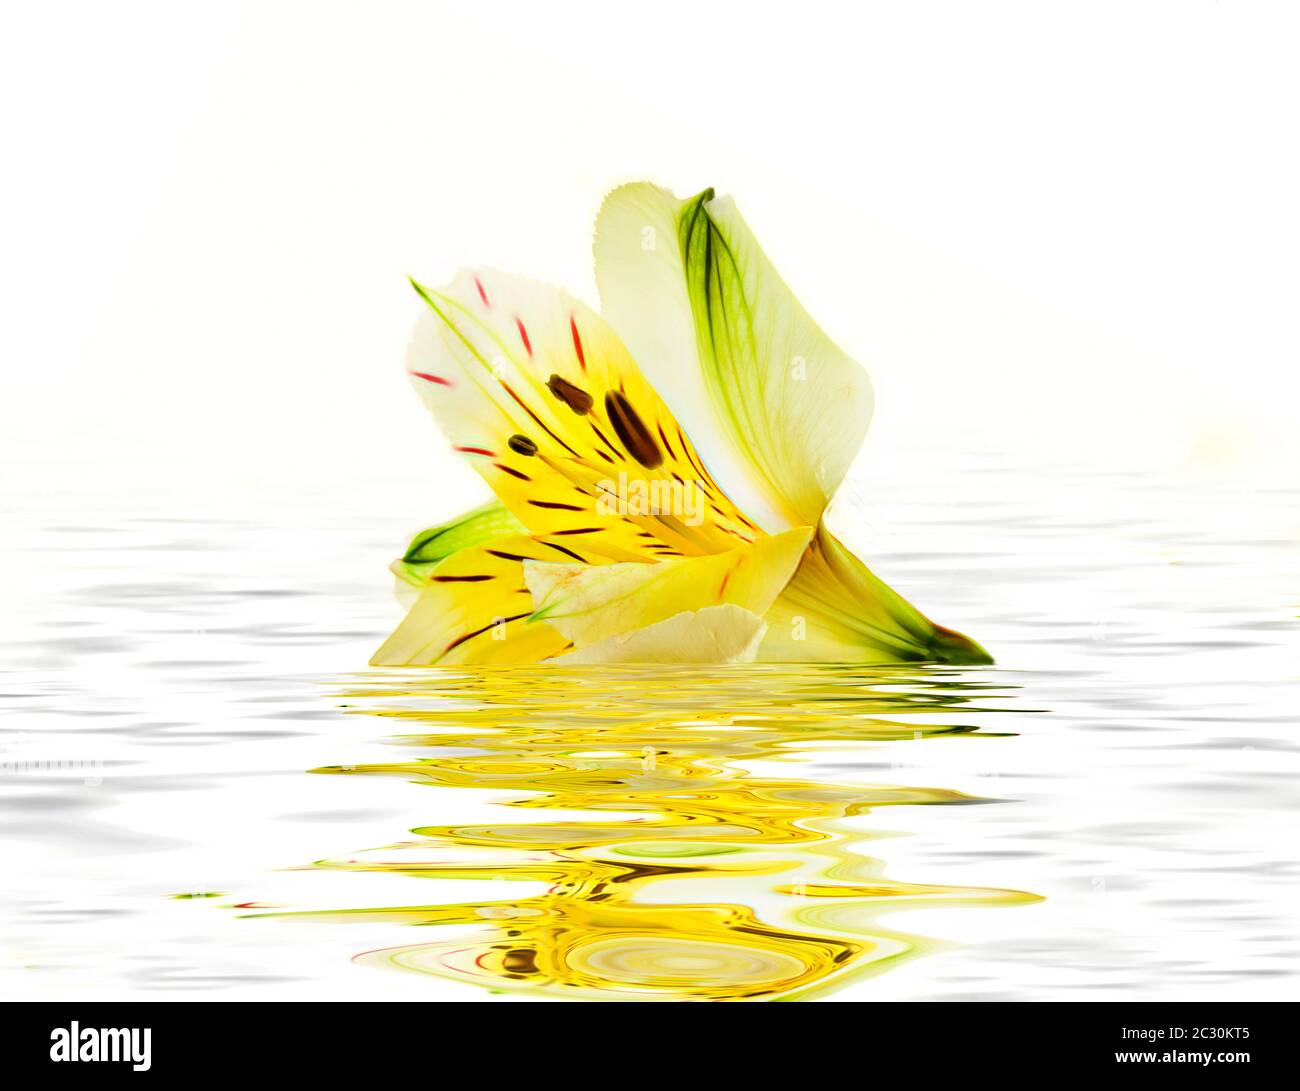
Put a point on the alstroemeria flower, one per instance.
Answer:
(635, 527)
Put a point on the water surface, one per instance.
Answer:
(205, 794)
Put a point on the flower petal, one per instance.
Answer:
(835, 609)
(543, 399)
(474, 608)
(715, 634)
(488, 521)
(587, 605)
(776, 409)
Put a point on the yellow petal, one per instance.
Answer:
(835, 609)
(588, 604)
(542, 397)
(437, 543)
(474, 608)
(715, 634)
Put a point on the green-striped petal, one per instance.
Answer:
(835, 609)
(777, 410)
(490, 520)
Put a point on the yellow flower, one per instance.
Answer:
(631, 526)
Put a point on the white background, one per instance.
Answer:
(1059, 233)
(1050, 230)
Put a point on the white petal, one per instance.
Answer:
(716, 634)
(775, 408)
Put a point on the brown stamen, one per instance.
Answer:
(574, 397)
(522, 445)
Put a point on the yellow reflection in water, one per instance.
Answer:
(698, 867)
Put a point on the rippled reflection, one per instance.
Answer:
(696, 858)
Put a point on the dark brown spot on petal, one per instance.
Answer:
(574, 397)
(511, 471)
(556, 505)
(509, 556)
(461, 579)
(631, 430)
(522, 445)
(479, 632)
(690, 456)
(567, 552)
(668, 446)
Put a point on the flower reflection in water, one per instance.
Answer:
(700, 865)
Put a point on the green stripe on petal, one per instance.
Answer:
(427, 548)
(777, 410)
(836, 610)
